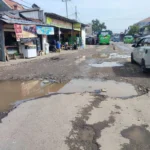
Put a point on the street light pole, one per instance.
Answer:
(66, 1)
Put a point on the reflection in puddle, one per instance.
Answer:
(12, 91)
(110, 88)
(107, 64)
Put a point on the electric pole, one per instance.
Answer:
(76, 13)
(66, 1)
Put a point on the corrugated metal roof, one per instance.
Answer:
(16, 19)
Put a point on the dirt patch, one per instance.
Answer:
(117, 107)
(56, 58)
(139, 138)
(84, 136)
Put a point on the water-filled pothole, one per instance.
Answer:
(139, 138)
(110, 88)
(106, 64)
(13, 91)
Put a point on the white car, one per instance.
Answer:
(141, 53)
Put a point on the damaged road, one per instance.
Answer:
(80, 121)
(94, 108)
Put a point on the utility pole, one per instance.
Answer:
(76, 13)
(66, 1)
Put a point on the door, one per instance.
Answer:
(137, 53)
(147, 52)
(142, 50)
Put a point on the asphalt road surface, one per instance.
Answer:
(103, 106)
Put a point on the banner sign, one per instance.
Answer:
(25, 31)
(58, 23)
(77, 26)
(45, 30)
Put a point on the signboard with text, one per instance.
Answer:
(58, 23)
(77, 26)
(45, 30)
(25, 31)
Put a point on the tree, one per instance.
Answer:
(134, 30)
(110, 32)
(97, 26)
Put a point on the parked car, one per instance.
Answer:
(128, 39)
(141, 53)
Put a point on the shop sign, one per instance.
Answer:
(58, 23)
(45, 30)
(77, 26)
(25, 31)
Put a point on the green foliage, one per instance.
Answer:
(97, 26)
(110, 32)
(134, 30)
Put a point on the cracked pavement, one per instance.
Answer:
(82, 120)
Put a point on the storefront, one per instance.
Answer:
(62, 29)
(43, 32)
(33, 39)
(11, 44)
(23, 40)
(65, 30)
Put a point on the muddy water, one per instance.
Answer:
(13, 91)
(139, 138)
(111, 88)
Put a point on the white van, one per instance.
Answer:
(141, 53)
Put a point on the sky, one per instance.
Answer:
(118, 15)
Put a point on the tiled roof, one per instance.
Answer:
(12, 4)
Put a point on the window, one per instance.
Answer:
(140, 43)
(147, 42)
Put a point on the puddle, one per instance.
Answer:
(106, 64)
(126, 47)
(100, 55)
(110, 88)
(13, 91)
(139, 138)
(115, 55)
(80, 59)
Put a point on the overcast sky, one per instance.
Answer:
(117, 14)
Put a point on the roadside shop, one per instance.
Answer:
(22, 38)
(65, 30)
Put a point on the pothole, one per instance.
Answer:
(109, 87)
(138, 136)
(115, 55)
(14, 91)
(107, 64)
